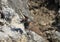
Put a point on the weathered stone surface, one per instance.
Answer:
(12, 18)
(11, 27)
(33, 37)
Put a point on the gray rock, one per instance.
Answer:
(57, 35)
(3, 36)
(7, 30)
(59, 11)
(21, 7)
(33, 37)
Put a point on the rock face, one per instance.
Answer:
(11, 27)
(15, 17)
(46, 18)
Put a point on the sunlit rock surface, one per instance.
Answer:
(11, 27)
(12, 12)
